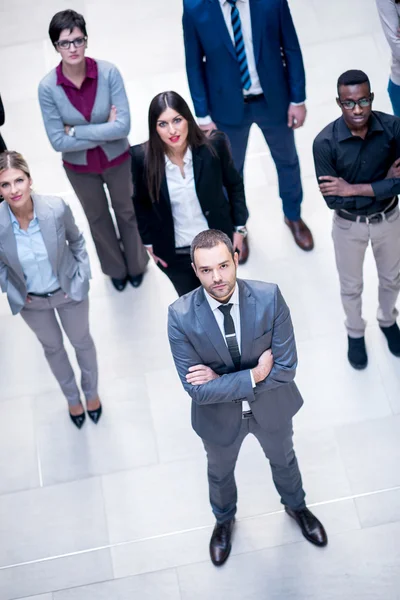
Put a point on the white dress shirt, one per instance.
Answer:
(219, 317)
(243, 7)
(188, 217)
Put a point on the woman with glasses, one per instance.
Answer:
(86, 115)
(45, 271)
(179, 178)
(389, 13)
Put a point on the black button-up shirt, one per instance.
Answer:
(339, 153)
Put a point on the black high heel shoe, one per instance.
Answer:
(95, 414)
(78, 420)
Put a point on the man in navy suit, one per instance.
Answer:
(244, 66)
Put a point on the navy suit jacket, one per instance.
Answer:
(212, 67)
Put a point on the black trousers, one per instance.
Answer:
(181, 274)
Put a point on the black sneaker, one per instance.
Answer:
(357, 353)
(392, 334)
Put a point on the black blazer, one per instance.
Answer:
(212, 173)
(2, 119)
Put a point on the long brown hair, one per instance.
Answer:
(155, 148)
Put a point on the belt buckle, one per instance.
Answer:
(378, 218)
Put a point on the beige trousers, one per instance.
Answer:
(351, 240)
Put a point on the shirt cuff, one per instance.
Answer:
(237, 227)
(253, 383)
(298, 103)
(204, 120)
(148, 245)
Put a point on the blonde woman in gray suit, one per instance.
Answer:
(44, 269)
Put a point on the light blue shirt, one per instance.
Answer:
(32, 254)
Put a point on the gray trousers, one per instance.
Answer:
(350, 240)
(278, 448)
(40, 315)
(89, 188)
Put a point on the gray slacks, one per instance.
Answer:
(278, 448)
(40, 315)
(89, 188)
(350, 239)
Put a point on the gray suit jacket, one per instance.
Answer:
(195, 338)
(58, 111)
(65, 246)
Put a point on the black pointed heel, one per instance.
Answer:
(78, 420)
(95, 414)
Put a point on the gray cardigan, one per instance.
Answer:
(57, 111)
(389, 13)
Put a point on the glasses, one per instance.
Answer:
(362, 103)
(77, 42)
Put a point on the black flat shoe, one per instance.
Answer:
(95, 414)
(119, 284)
(78, 420)
(357, 353)
(220, 543)
(392, 334)
(135, 280)
(311, 528)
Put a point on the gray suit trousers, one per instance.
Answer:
(40, 315)
(278, 448)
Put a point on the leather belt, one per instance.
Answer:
(48, 295)
(252, 98)
(183, 250)
(247, 414)
(374, 218)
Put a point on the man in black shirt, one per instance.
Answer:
(357, 162)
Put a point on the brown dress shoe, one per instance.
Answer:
(301, 233)
(311, 528)
(244, 255)
(220, 543)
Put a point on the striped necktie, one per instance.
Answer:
(230, 334)
(239, 45)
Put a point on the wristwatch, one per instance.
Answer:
(242, 231)
(71, 132)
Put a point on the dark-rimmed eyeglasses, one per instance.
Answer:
(362, 103)
(77, 42)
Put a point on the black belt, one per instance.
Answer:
(48, 295)
(183, 250)
(374, 218)
(252, 98)
(247, 414)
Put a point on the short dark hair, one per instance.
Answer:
(209, 239)
(353, 77)
(66, 19)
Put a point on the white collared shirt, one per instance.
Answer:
(187, 215)
(219, 317)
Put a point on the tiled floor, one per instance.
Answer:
(120, 511)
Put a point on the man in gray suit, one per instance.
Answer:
(234, 349)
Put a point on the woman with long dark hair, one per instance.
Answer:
(179, 176)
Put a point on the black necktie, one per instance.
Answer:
(230, 334)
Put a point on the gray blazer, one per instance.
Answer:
(57, 111)
(65, 246)
(195, 338)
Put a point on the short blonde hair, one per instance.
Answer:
(13, 160)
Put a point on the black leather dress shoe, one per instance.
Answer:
(119, 284)
(95, 414)
(78, 420)
(392, 334)
(311, 528)
(357, 353)
(136, 280)
(220, 543)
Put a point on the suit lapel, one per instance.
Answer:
(210, 326)
(48, 229)
(8, 241)
(247, 321)
(217, 19)
(257, 17)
